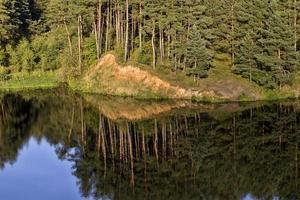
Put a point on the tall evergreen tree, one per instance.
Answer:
(246, 58)
(199, 58)
(10, 21)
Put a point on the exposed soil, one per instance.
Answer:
(229, 89)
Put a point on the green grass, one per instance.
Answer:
(222, 71)
(28, 81)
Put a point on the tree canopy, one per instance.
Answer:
(260, 37)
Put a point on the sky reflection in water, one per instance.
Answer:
(38, 175)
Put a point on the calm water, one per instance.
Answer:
(55, 145)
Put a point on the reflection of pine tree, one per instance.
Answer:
(231, 149)
(16, 118)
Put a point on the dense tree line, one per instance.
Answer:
(260, 37)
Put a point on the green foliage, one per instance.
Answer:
(261, 36)
(26, 55)
(198, 56)
(265, 53)
(4, 74)
(47, 49)
(141, 56)
(89, 51)
(22, 56)
(3, 57)
(13, 57)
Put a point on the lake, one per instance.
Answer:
(60, 145)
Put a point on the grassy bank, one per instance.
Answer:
(30, 81)
(49, 80)
(265, 95)
(141, 93)
(225, 85)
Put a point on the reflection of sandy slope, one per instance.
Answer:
(131, 109)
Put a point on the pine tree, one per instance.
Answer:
(199, 58)
(278, 56)
(151, 14)
(10, 21)
(246, 60)
(4, 23)
(272, 40)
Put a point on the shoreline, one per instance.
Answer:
(108, 77)
(73, 88)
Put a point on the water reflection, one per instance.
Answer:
(36, 175)
(193, 152)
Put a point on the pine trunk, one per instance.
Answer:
(295, 25)
(232, 34)
(107, 27)
(99, 31)
(69, 37)
(140, 26)
(126, 31)
(79, 43)
(153, 47)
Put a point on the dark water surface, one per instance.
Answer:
(58, 145)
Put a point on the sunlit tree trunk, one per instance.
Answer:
(140, 25)
(232, 13)
(126, 31)
(98, 29)
(69, 37)
(295, 25)
(161, 45)
(153, 46)
(107, 26)
(80, 43)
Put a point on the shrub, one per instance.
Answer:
(141, 57)
(5, 74)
